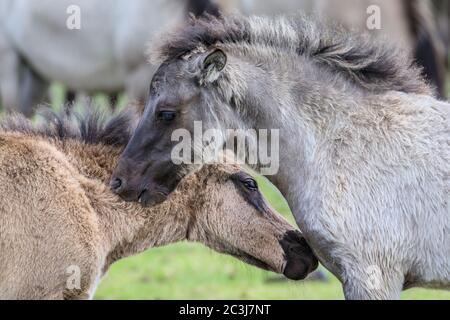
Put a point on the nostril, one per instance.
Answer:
(116, 184)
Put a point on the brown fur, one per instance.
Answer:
(56, 211)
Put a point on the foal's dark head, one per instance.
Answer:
(150, 167)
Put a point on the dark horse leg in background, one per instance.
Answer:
(32, 92)
(442, 12)
(433, 68)
(199, 7)
(71, 96)
(428, 44)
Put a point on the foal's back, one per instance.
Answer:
(39, 230)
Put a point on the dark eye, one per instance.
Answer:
(167, 116)
(250, 184)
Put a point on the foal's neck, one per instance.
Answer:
(126, 228)
(306, 114)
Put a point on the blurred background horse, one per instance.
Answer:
(108, 53)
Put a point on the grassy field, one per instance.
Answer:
(191, 271)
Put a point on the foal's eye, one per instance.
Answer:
(167, 116)
(250, 184)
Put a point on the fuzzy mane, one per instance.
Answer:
(371, 64)
(90, 127)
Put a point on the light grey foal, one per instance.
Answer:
(364, 146)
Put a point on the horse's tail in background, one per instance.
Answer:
(429, 51)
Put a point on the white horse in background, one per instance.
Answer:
(106, 54)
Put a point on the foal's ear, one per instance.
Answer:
(213, 64)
